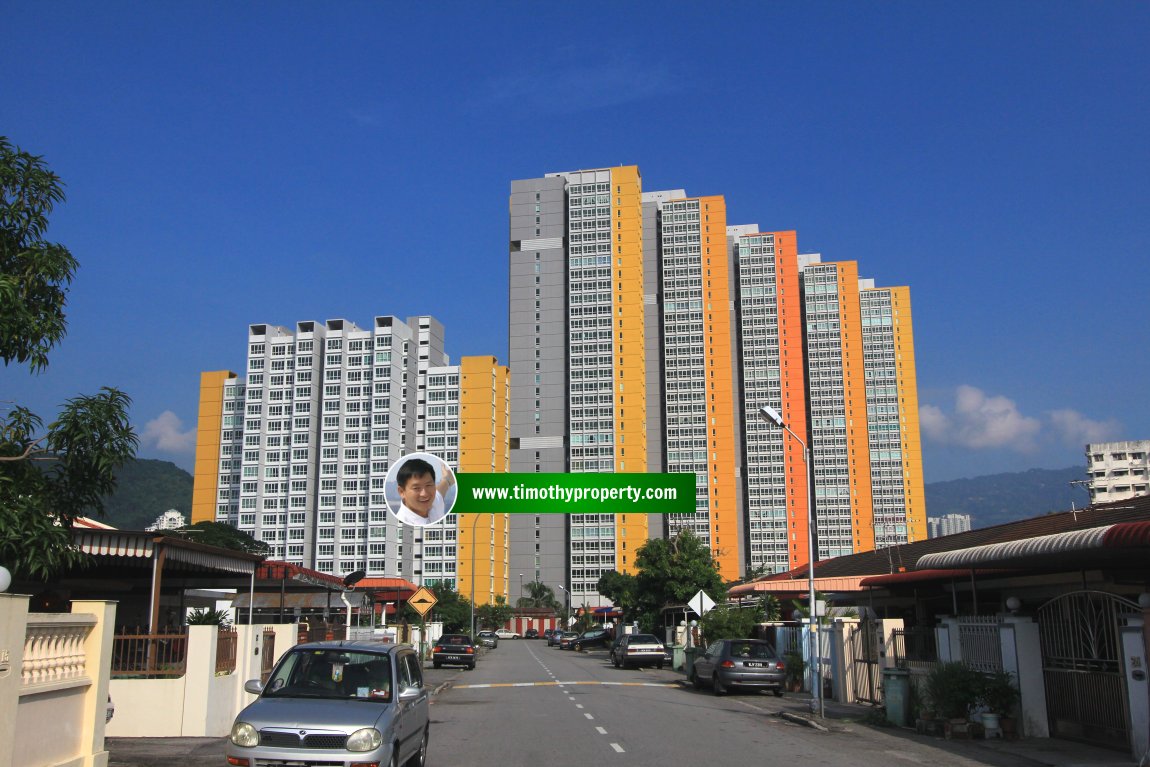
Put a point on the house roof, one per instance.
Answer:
(906, 557)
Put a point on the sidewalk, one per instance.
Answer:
(1052, 752)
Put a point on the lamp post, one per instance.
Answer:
(772, 416)
(473, 547)
(566, 605)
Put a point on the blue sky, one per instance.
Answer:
(275, 162)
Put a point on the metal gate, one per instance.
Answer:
(1082, 665)
(865, 645)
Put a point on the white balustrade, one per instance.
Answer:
(54, 651)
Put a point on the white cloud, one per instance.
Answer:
(981, 421)
(1076, 429)
(165, 433)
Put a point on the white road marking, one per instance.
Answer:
(578, 705)
(618, 748)
(588, 716)
(600, 730)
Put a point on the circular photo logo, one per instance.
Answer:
(420, 489)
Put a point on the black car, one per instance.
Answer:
(454, 650)
(592, 638)
(531, 634)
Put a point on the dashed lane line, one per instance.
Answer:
(618, 748)
(601, 730)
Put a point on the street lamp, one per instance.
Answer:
(473, 547)
(566, 605)
(772, 416)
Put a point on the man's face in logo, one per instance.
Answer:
(419, 493)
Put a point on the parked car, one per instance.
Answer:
(340, 702)
(487, 639)
(547, 634)
(638, 650)
(733, 664)
(506, 634)
(592, 638)
(531, 634)
(567, 638)
(553, 640)
(454, 650)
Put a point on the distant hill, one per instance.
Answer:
(145, 490)
(998, 498)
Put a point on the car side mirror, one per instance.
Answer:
(254, 686)
(411, 693)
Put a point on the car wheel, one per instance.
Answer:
(419, 758)
(471, 667)
(695, 681)
(394, 756)
(778, 691)
(615, 661)
(717, 686)
(436, 664)
(659, 666)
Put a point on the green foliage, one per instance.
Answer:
(770, 608)
(620, 589)
(34, 274)
(670, 572)
(998, 692)
(206, 616)
(492, 616)
(453, 609)
(953, 689)
(48, 476)
(538, 595)
(223, 535)
(726, 622)
(796, 667)
(145, 489)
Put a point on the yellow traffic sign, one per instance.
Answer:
(422, 601)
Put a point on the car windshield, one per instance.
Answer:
(454, 639)
(312, 673)
(644, 639)
(752, 650)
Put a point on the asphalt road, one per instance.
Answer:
(527, 705)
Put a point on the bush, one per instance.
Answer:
(954, 689)
(998, 692)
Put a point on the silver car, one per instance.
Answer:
(336, 703)
(739, 664)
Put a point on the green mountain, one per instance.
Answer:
(145, 489)
(997, 498)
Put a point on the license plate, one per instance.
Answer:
(754, 664)
(454, 657)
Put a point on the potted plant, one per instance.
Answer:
(954, 689)
(795, 668)
(999, 696)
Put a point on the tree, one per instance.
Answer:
(48, 476)
(620, 589)
(670, 572)
(452, 608)
(223, 535)
(726, 622)
(494, 615)
(538, 595)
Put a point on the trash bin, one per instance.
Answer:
(689, 655)
(896, 693)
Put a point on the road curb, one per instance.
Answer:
(799, 719)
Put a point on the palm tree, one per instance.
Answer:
(537, 594)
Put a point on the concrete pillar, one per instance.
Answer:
(198, 675)
(1022, 657)
(841, 688)
(13, 629)
(98, 662)
(887, 627)
(1137, 687)
(949, 641)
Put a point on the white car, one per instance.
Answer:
(506, 634)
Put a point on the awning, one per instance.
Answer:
(796, 586)
(997, 553)
(113, 543)
(305, 600)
